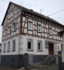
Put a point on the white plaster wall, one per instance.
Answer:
(23, 46)
(11, 52)
(55, 49)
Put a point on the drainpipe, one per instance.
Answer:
(19, 33)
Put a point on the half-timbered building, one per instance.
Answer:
(26, 31)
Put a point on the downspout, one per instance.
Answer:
(19, 33)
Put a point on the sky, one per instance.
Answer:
(47, 8)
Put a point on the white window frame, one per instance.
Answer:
(14, 26)
(50, 31)
(8, 48)
(41, 47)
(30, 25)
(4, 48)
(30, 40)
(13, 49)
(39, 25)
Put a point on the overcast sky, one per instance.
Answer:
(48, 7)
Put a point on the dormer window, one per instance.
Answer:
(14, 26)
(39, 27)
(50, 30)
(30, 25)
(9, 30)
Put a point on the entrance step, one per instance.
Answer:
(48, 59)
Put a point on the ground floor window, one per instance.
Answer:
(14, 44)
(29, 44)
(4, 48)
(39, 46)
(8, 49)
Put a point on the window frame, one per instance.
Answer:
(9, 31)
(13, 49)
(39, 24)
(4, 32)
(8, 46)
(14, 27)
(4, 49)
(50, 33)
(30, 40)
(31, 22)
(41, 47)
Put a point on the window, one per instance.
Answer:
(46, 44)
(4, 49)
(39, 27)
(14, 26)
(4, 32)
(50, 31)
(13, 48)
(30, 43)
(30, 23)
(9, 30)
(8, 49)
(39, 46)
(62, 47)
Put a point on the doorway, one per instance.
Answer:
(50, 48)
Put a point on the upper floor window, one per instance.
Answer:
(8, 49)
(30, 25)
(4, 47)
(9, 30)
(39, 27)
(29, 44)
(14, 26)
(39, 45)
(14, 44)
(4, 32)
(50, 31)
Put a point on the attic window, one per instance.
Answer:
(10, 15)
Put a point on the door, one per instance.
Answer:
(50, 48)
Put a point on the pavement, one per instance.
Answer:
(48, 67)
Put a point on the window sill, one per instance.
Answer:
(30, 29)
(29, 50)
(13, 50)
(14, 30)
(8, 51)
(40, 50)
(39, 31)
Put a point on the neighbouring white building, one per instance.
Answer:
(26, 31)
